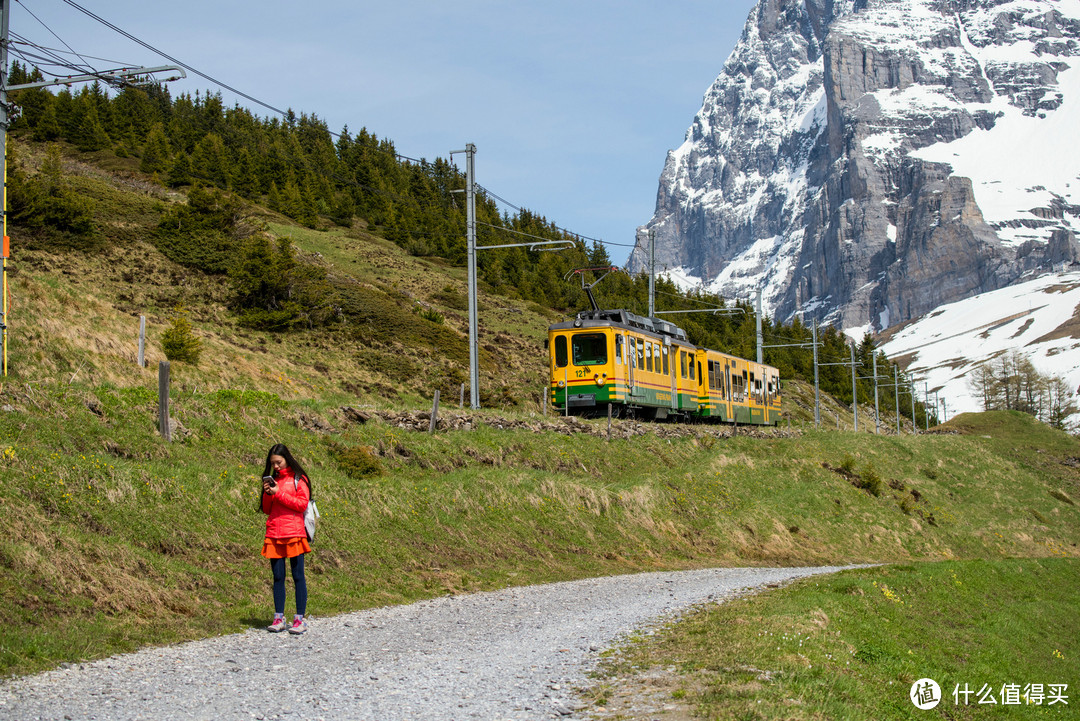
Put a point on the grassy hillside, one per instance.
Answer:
(118, 539)
(996, 636)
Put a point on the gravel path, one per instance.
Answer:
(511, 654)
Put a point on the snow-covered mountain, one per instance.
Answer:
(1040, 318)
(866, 161)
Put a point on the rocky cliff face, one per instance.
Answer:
(865, 161)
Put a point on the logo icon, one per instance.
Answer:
(925, 694)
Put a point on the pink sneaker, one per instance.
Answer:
(298, 626)
(277, 626)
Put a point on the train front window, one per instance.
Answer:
(590, 349)
(560, 351)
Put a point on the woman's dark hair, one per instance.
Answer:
(280, 449)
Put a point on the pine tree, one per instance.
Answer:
(155, 156)
(91, 135)
(273, 199)
(208, 161)
(180, 342)
(180, 171)
(291, 203)
(47, 128)
(243, 180)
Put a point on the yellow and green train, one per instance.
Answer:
(646, 367)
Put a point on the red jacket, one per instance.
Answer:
(286, 508)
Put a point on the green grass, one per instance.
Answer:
(850, 646)
(116, 539)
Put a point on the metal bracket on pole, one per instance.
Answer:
(119, 76)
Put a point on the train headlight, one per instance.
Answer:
(562, 384)
(600, 379)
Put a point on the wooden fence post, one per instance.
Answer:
(142, 341)
(609, 421)
(461, 403)
(163, 401)
(434, 414)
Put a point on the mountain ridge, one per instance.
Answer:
(815, 166)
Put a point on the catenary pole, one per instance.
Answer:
(896, 395)
(877, 412)
(5, 12)
(120, 75)
(760, 338)
(652, 273)
(470, 233)
(926, 403)
(854, 389)
(914, 421)
(817, 387)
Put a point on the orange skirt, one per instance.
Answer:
(285, 547)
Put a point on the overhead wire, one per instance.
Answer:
(24, 41)
(86, 65)
(244, 95)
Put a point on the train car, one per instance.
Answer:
(647, 367)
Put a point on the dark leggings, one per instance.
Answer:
(277, 565)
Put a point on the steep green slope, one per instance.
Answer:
(118, 539)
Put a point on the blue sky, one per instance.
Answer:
(572, 105)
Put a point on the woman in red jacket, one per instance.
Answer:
(286, 492)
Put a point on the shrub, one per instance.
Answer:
(870, 481)
(847, 465)
(432, 315)
(180, 342)
(356, 461)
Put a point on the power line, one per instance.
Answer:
(24, 41)
(86, 65)
(170, 58)
(284, 113)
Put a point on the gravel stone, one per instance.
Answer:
(511, 654)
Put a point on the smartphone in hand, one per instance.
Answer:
(270, 480)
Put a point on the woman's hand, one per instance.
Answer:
(270, 488)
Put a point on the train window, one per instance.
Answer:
(590, 349)
(641, 353)
(618, 349)
(691, 367)
(560, 351)
(631, 356)
(648, 357)
(682, 363)
(666, 369)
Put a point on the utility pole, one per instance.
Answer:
(652, 274)
(877, 412)
(119, 75)
(926, 403)
(817, 387)
(470, 242)
(5, 12)
(896, 391)
(854, 389)
(760, 338)
(852, 364)
(914, 421)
